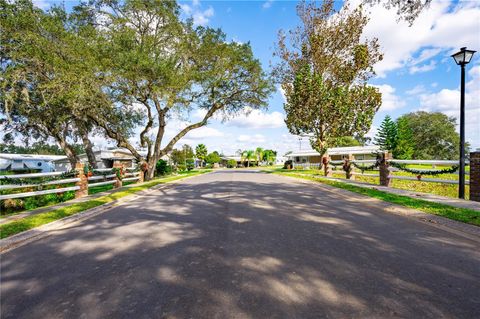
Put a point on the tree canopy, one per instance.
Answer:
(433, 135)
(46, 77)
(406, 10)
(420, 135)
(387, 135)
(121, 67)
(324, 68)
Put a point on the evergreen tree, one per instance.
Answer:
(405, 146)
(387, 136)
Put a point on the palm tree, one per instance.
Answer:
(259, 152)
(201, 152)
(270, 156)
(248, 155)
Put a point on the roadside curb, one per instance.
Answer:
(465, 230)
(28, 236)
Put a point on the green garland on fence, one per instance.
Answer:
(335, 165)
(40, 180)
(89, 171)
(366, 168)
(118, 172)
(403, 167)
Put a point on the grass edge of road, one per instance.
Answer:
(29, 222)
(465, 215)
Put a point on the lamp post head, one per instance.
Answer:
(463, 56)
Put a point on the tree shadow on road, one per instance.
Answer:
(249, 248)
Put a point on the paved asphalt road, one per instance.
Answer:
(244, 245)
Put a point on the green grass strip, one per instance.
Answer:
(33, 221)
(464, 215)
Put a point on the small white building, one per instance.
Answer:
(29, 162)
(336, 153)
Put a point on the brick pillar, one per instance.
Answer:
(475, 176)
(82, 183)
(141, 176)
(349, 167)
(383, 168)
(118, 181)
(326, 169)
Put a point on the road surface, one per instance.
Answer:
(243, 244)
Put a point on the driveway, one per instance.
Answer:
(243, 244)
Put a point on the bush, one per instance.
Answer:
(181, 167)
(288, 164)
(11, 205)
(162, 168)
(49, 199)
(190, 164)
(231, 163)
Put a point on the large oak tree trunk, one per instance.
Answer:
(69, 151)
(87, 145)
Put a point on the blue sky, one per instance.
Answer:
(417, 72)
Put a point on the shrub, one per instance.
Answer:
(162, 168)
(190, 164)
(231, 163)
(48, 199)
(181, 167)
(288, 164)
(11, 205)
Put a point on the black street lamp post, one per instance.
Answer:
(462, 58)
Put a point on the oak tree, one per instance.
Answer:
(324, 69)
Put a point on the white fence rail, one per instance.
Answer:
(307, 165)
(93, 181)
(338, 169)
(62, 181)
(48, 191)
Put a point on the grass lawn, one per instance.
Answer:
(441, 189)
(465, 215)
(33, 221)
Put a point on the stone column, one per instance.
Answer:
(383, 168)
(349, 167)
(475, 176)
(82, 183)
(326, 169)
(118, 181)
(141, 176)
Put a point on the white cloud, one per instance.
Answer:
(267, 4)
(425, 55)
(416, 90)
(203, 132)
(42, 4)
(257, 119)
(447, 101)
(423, 68)
(443, 27)
(389, 100)
(256, 138)
(199, 16)
(202, 17)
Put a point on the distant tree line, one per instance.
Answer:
(420, 135)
